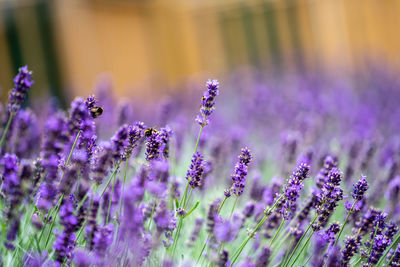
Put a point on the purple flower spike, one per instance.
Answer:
(22, 82)
(208, 102)
(239, 177)
(119, 142)
(195, 172)
(292, 189)
(396, 257)
(153, 145)
(360, 188)
(245, 157)
(351, 247)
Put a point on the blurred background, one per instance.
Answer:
(158, 44)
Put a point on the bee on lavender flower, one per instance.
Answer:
(150, 131)
(96, 112)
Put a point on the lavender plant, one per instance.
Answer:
(95, 186)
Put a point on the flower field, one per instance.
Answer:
(249, 170)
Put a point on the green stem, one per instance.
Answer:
(184, 195)
(301, 239)
(288, 251)
(70, 154)
(123, 188)
(177, 233)
(52, 222)
(198, 139)
(239, 251)
(188, 198)
(109, 202)
(3, 137)
(222, 204)
(195, 151)
(204, 246)
(233, 207)
(345, 221)
(80, 231)
(109, 180)
(391, 259)
(277, 232)
(304, 246)
(267, 213)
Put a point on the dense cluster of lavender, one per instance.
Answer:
(94, 186)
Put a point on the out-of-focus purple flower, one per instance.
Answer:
(333, 256)
(102, 239)
(22, 82)
(164, 218)
(78, 113)
(134, 135)
(195, 173)
(257, 190)
(329, 163)
(165, 135)
(360, 188)
(92, 227)
(208, 102)
(263, 257)
(25, 134)
(195, 233)
(36, 259)
(223, 259)
(248, 210)
(312, 202)
(82, 258)
(323, 239)
(212, 211)
(102, 162)
(13, 193)
(227, 230)
(393, 193)
(54, 141)
(119, 142)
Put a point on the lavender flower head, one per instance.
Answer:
(119, 142)
(22, 82)
(208, 102)
(360, 188)
(351, 247)
(239, 177)
(153, 145)
(195, 173)
(292, 189)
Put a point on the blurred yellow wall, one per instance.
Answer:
(163, 41)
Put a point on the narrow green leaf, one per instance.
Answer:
(195, 206)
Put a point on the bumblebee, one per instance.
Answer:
(96, 112)
(149, 132)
